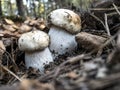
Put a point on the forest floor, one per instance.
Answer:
(83, 69)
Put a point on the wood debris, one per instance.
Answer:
(89, 41)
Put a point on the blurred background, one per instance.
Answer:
(40, 8)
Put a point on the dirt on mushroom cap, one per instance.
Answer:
(66, 19)
(34, 40)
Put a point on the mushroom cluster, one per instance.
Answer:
(35, 44)
(64, 24)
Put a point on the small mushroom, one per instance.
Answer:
(64, 24)
(35, 44)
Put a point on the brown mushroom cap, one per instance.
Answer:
(66, 19)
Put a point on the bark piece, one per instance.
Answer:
(89, 41)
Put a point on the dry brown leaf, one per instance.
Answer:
(28, 84)
(27, 22)
(7, 34)
(17, 34)
(1, 34)
(24, 28)
(8, 21)
(15, 26)
(33, 22)
(89, 41)
(9, 28)
(2, 47)
(28, 19)
(72, 75)
(41, 26)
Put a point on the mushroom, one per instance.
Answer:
(35, 44)
(64, 24)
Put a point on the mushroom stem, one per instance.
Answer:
(61, 41)
(38, 59)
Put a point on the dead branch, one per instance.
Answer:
(10, 72)
(116, 8)
(98, 20)
(104, 82)
(106, 25)
(103, 9)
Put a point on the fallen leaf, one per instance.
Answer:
(9, 28)
(89, 41)
(15, 26)
(2, 47)
(72, 75)
(33, 22)
(24, 28)
(8, 21)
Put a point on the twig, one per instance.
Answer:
(103, 9)
(106, 25)
(70, 61)
(12, 52)
(76, 58)
(107, 28)
(98, 20)
(101, 84)
(54, 73)
(112, 13)
(8, 54)
(10, 72)
(105, 44)
(108, 41)
(5, 34)
(116, 9)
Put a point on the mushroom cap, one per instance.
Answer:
(33, 41)
(66, 19)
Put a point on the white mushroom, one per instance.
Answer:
(64, 24)
(35, 44)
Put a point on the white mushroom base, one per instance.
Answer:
(38, 59)
(61, 41)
